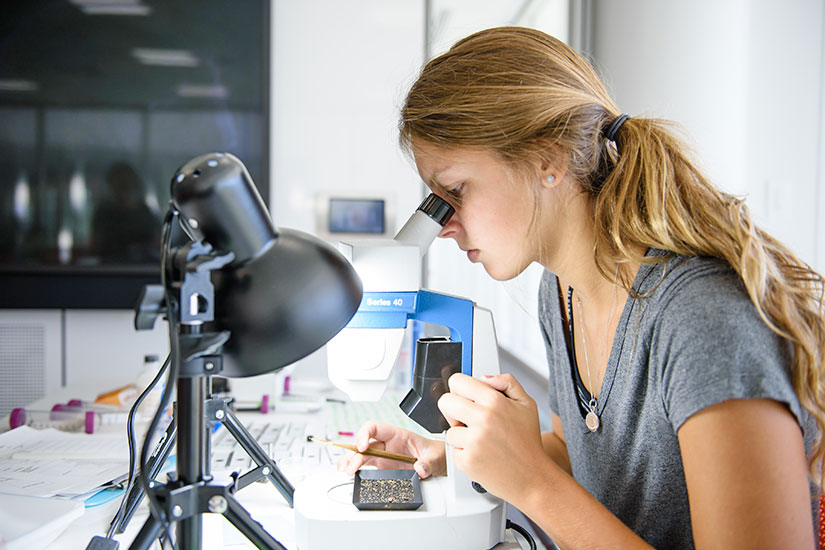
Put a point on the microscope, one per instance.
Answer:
(456, 513)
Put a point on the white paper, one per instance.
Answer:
(28, 523)
(43, 463)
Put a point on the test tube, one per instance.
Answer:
(95, 406)
(95, 413)
(65, 418)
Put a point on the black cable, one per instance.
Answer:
(174, 356)
(133, 457)
(523, 532)
(143, 475)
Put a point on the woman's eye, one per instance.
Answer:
(456, 191)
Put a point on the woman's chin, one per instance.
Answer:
(503, 274)
(499, 275)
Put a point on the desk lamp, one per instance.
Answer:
(242, 298)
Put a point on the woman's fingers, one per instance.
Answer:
(377, 435)
(374, 430)
(352, 461)
(457, 437)
(422, 469)
(458, 410)
(487, 389)
(506, 384)
(432, 460)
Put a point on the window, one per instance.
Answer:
(101, 103)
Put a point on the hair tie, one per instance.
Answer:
(610, 135)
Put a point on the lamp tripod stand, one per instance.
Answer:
(190, 492)
(216, 410)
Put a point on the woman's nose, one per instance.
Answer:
(449, 229)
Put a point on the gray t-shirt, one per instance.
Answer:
(694, 341)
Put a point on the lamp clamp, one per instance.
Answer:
(190, 269)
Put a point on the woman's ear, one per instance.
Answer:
(549, 181)
(553, 169)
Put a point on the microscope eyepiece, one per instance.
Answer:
(437, 208)
(426, 223)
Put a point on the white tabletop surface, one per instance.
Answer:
(262, 500)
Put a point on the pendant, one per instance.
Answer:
(592, 421)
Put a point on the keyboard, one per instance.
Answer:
(285, 441)
(284, 436)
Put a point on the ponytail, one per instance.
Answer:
(655, 197)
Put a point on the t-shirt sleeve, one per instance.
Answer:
(547, 307)
(711, 345)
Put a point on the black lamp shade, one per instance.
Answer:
(285, 304)
(287, 292)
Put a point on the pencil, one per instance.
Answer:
(369, 452)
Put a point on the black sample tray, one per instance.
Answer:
(387, 490)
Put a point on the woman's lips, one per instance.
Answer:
(473, 254)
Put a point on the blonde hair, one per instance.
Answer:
(528, 97)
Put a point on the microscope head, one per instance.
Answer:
(394, 265)
(360, 360)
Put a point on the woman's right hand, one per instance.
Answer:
(377, 435)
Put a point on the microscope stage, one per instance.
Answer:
(325, 517)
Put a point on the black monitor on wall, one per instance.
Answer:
(100, 103)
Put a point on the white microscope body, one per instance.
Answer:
(361, 357)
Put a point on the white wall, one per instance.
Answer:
(340, 72)
(103, 351)
(784, 132)
(819, 230)
(744, 78)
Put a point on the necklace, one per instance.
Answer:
(591, 419)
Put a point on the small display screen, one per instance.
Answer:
(356, 216)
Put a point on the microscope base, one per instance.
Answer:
(326, 518)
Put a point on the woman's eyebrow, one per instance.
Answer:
(434, 184)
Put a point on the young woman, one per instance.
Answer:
(685, 345)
